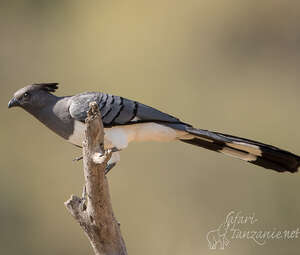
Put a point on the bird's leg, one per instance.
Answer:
(114, 149)
(83, 192)
(83, 199)
(109, 167)
(78, 158)
(113, 160)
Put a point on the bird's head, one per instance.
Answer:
(32, 95)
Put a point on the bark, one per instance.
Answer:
(94, 210)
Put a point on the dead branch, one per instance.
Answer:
(94, 211)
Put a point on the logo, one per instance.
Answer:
(237, 226)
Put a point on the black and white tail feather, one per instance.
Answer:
(257, 153)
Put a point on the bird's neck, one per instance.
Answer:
(48, 103)
(54, 115)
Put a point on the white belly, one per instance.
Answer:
(121, 136)
(78, 133)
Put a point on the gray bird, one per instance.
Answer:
(126, 121)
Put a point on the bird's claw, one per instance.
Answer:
(109, 167)
(78, 158)
(83, 199)
(115, 149)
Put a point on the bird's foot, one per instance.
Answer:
(78, 158)
(109, 167)
(114, 149)
(83, 199)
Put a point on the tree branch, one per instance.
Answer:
(94, 211)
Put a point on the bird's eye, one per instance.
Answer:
(26, 95)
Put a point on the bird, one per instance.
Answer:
(127, 121)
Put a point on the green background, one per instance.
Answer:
(230, 66)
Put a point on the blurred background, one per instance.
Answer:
(230, 66)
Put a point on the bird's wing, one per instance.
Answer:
(117, 110)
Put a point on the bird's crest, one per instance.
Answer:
(49, 87)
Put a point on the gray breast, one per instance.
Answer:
(56, 117)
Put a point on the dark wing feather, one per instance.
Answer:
(148, 113)
(126, 113)
(116, 110)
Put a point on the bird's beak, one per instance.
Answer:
(13, 103)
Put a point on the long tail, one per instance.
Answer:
(257, 153)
